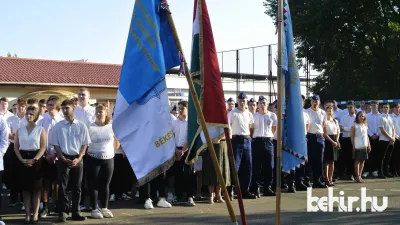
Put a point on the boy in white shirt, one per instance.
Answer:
(387, 139)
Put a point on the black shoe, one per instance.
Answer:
(301, 187)
(268, 192)
(62, 217)
(292, 189)
(382, 176)
(248, 195)
(395, 174)
(284, 186)
(307, 184)
(319, 184)
(35, 222)
(388, 174)
(78, 217)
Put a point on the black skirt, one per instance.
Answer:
(330, 154)
(30, 178)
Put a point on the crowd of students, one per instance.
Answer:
(54, 149)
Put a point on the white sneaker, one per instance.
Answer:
(148, 204)
(137, 195)
(23, 208)
(365, 174)
(107, 213)
(163, 203)
(375, 174)
(96, 214)
(112, 198)
(190, 202)
(2, 223)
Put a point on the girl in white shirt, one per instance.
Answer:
(361, 145)
(100, 162)
(331, 134)
(29, 145)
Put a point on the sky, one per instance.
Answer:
(97, 30)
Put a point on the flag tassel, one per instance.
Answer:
(280, 117)
(203, 123)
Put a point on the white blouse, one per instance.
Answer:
(331, 127)
(102, 137)
(29, 142)
(360, 136)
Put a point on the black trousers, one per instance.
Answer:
(316, 155)
(66, 175)
(123, 177)
(150, 189)
(372, 163)
(185, 178)
(346, 158)
(384, 156)
(1, 181)
(10, 162)
(99, 173)
(241, 145)
(263, 162)
(395, 160)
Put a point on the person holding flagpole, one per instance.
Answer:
(241, 121)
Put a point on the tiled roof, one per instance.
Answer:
(52, 72)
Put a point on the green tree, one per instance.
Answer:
(354, 44)
(9, 55)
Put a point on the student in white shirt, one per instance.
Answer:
(316, 141)
(387, 139)
(395, 161)
(100, 162)
(86, 114)
(372, 163)
(298, 177)
(174, 112)
(331, 134)
(252, 104)
(241, 121)
(10, 158)
(30, 145)
(4, 131)
(70, 138)
(346, 158)
(185, 179)
(4, 113)
(265, 123)
(361, 145)
(231, 104)
(50, 119)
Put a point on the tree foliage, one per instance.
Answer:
(354, 44)
(9, 55)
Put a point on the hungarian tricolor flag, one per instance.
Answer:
(207, 81)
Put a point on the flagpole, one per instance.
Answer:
(235, 176)
(203, 124)
(280, 104)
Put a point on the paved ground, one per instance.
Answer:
(260, 211)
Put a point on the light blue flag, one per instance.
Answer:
(142, 122)
(295, 143)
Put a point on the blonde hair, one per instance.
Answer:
(365, 118)
(104, 107)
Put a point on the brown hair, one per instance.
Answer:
(84, 89)
(21, 102)
(56, 100)
(104, 107)
(35, 112)
(67, 102)
(183, 103)
(3, 99)
(32, 101)
(365, 118)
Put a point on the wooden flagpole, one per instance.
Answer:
(203, 124)
(280, 104)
